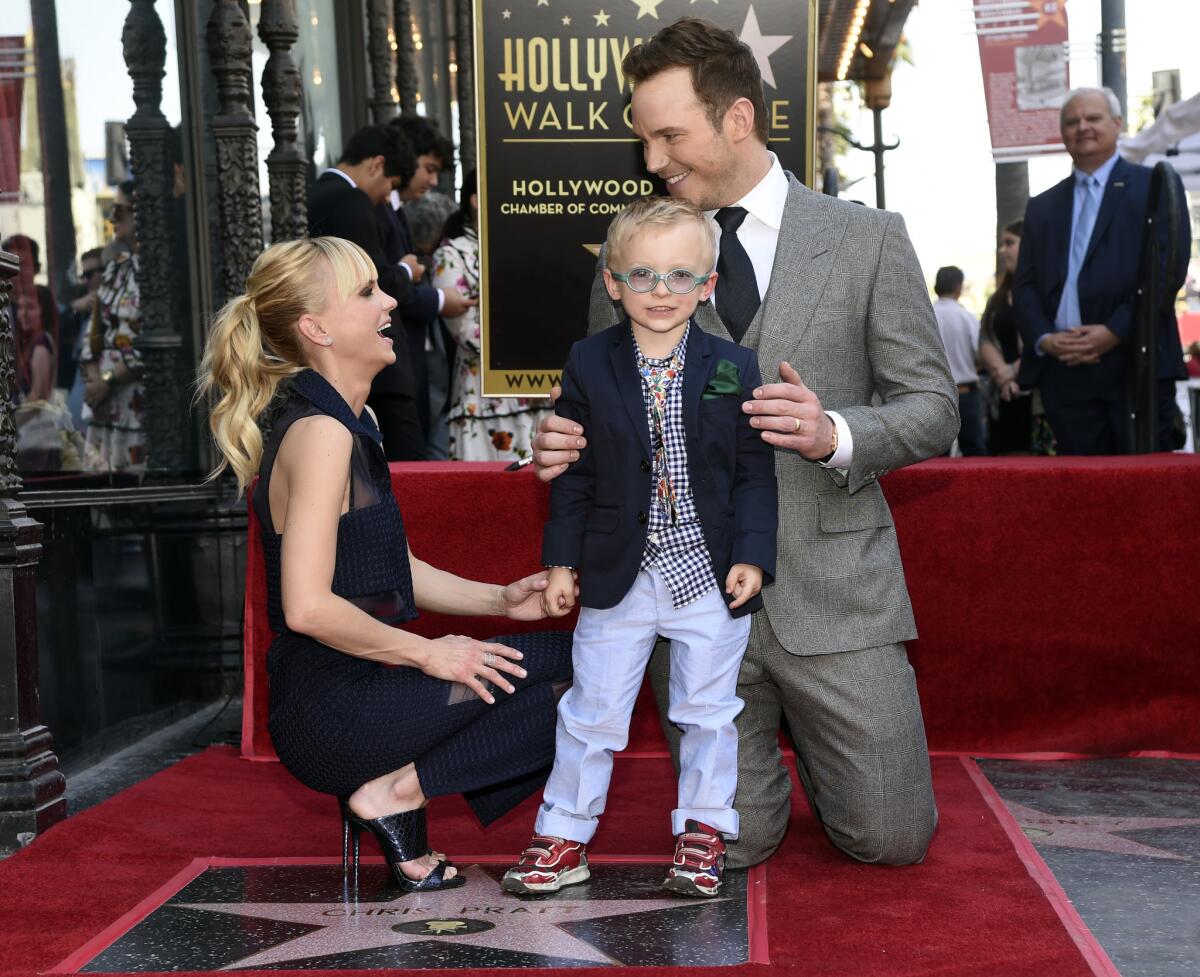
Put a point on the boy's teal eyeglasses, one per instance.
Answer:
(680, 281)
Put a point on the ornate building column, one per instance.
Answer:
(144, 45)
(32, 790)
(286, 165)
(464, 81)
(381, 45)
(406, 58)
(238, 199)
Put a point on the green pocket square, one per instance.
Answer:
(724, 382)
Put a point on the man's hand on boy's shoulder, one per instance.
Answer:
(743, 582)
(558, 599)
(557, 443)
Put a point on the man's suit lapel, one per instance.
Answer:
(629, 383)
(695, 376)
(808, 239)
(404, 235)
(707, 318)
(1063, 207)
(1114, 192)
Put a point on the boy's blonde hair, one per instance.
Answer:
(657, 212)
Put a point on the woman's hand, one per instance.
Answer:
(96, 392)
(521, 600)
(457, 658)
(558, 599)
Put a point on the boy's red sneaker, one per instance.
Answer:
(547, 865)
(699, 864)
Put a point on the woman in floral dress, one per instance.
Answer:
(110, 361)
(481, 428)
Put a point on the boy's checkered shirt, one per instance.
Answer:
(678, 551)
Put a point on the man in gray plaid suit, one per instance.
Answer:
(857, 384)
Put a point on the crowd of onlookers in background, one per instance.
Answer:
(1044, 372)
(78, 369)
(381, 196)
(80, 392)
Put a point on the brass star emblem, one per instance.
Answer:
(445, 925)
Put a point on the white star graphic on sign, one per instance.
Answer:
(518, 925)
(543, 3)
(1095, 833)
(566, 22)
(506, 14)
(763, 47)
(601, 19)
(647, 8)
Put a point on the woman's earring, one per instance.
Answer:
(328, 340)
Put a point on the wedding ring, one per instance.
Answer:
(797, 420)
(489, 659)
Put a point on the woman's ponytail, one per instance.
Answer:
(238, 364)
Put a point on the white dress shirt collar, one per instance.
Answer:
(768, 197)
(343, 174)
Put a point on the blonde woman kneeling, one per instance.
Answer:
(459, 715)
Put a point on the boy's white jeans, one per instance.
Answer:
(612, 648)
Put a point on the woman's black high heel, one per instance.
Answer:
(401, 838)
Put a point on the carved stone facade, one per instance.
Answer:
(229, 47)
(380, 38)
(464, 81)
(32, 790)
(406, 60)
(144, 45)
(281, 88)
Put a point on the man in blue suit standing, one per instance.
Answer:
(1076, 286)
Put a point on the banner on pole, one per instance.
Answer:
(1023, 54)
(558, 158)
(13, 72)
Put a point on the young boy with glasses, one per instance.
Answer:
(669, 520)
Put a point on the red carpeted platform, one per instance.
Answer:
(1055, 598)
(972, 908)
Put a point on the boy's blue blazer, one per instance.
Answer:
(599, 507)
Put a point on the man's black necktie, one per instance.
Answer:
(737, 288)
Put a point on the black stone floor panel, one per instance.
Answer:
(1122, 837)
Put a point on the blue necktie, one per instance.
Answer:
(1069, 315)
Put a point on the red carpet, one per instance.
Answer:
(1055, 598)
(970, 909)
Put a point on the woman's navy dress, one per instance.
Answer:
(338, 721)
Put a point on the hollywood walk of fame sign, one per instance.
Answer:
(298, 917)
(558, 158)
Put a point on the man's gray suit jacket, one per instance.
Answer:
(847, 307)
